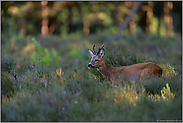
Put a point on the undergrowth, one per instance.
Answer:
(69, 91)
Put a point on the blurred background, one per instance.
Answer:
(63, 18)
(70, 28)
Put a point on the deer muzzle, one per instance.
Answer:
(90, 66)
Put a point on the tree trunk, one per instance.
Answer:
(168, 6)
(127, 20)
(149, 27)
(44, 28)
(86, 27)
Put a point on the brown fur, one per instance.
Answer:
(116, 74)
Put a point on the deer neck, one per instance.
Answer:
(105, 70)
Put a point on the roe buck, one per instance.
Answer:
(116, 74)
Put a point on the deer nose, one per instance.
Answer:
(89, 66)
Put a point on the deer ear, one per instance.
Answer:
(91, 53)
(102, 53)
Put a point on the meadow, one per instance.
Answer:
(47, 79)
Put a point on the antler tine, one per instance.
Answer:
(100, 48)
(93, 48)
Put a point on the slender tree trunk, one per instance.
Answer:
(86, 27)
(128, 19)
(168, 6)
(149, 16)
(44, 28)
(132, 24)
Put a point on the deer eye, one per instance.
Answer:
(96, 59)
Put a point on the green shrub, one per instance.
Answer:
(43, 56)
(7, 64)
(80, 53)
(155, 85)
(23, 65)
(166, 95)
(54, 105)
(168, 71)
(121, 58)
(8, 85)
(75, 53)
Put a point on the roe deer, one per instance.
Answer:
(116, 74)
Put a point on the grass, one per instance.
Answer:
(69, 91)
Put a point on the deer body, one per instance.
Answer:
(116, 74)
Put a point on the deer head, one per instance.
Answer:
(96, 57)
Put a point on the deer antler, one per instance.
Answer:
(93, 48)
(100, 49)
